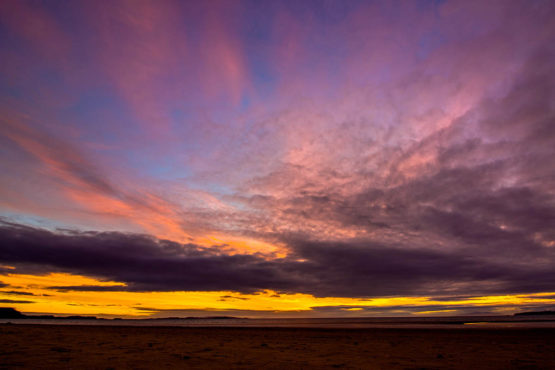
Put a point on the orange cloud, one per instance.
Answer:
(44, 299)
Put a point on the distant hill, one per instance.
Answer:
(10, 313)
(195, 318)
(535, 313)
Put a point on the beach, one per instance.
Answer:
(121, 347)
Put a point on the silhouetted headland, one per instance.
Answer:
(536, 313)
(12, 313)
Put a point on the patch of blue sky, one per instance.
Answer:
(33, 220)
(101, 116)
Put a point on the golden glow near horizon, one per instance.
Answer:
(143, 304)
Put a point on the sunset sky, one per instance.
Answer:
(277, 158)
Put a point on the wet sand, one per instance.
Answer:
(111, 347)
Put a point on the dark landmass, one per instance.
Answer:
(11, 313)
(196, 318)
(535, 313)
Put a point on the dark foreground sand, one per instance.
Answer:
(105, 347)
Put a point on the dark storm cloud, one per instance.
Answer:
(329, 269)
(143, 262)
(344, 269)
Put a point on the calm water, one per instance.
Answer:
(343, 323)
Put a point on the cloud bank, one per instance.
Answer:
(357, 269)
(380, 150)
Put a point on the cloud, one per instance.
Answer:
(230, 297)
(83, 184)
(144, 263)
(357, 269)
(454, 309)
(88, 288)
(473, 197)
(429, 172)
(15, 292)
(14, 301)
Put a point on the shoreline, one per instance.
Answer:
(327, 323)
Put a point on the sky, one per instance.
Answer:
(277, 158)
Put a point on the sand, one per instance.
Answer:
(111, 347)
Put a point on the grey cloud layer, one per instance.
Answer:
(329, 269)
